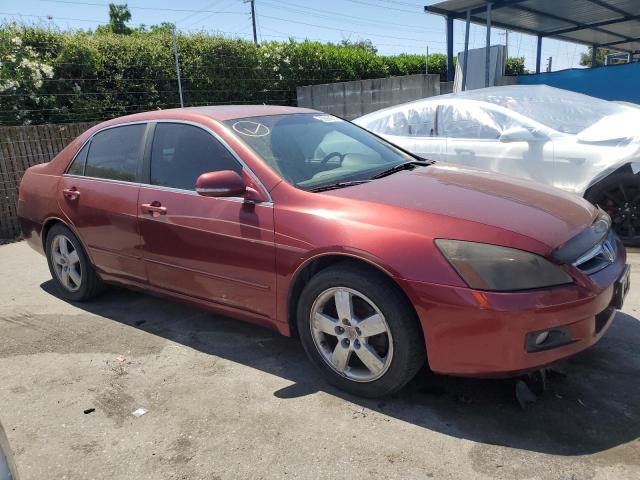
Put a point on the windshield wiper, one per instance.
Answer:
(403, 166)
(336, 185)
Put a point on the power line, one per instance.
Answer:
(137, 7)
(198, 12)
(331, 15)
(368, 4)
(341, 29)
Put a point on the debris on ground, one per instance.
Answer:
(89, 410)
(138, 412)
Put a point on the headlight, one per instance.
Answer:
(491, 267)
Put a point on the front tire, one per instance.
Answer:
(72, 273)
(359, 329)
(619, 196)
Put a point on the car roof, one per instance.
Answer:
(216, 112)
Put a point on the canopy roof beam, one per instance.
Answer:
(604, 10)
(580, 25)
(595, 25)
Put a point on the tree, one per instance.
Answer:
(514, 66)
(363, 44)
(601, 54)
(119, 15)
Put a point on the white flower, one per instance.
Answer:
(8, 85)
(47, 70)
(16, 41)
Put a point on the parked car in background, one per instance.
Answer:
(305, 223)
(571, 141)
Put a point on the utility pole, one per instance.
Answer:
(175, 54)
(253, 20)
(426, 62)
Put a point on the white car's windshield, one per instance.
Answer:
(561, 110)
(316, 150)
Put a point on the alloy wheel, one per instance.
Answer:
(622, 203)
(66, 263)
(351, 334)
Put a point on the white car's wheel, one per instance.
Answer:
(619, 196)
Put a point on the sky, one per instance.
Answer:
(394, 26)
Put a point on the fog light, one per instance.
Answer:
(541, 337)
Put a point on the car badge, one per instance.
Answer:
(607, 251)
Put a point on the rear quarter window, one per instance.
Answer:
(77, 166)
(115, 153)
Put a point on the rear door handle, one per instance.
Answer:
(71, 193)
(155, 209)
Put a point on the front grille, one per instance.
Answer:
(598, 257)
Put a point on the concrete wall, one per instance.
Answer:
(352, 99)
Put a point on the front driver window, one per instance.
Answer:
(411, 122)
(181, 153)
(472, 122)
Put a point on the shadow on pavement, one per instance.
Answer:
(592, 407)
(7, 467)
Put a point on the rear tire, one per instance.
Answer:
(72, 273)
(359, 329)
(619, 196)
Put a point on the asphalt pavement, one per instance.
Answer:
(227, 400)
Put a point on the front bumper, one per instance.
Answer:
(473, 333)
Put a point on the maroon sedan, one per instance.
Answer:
(302, 222)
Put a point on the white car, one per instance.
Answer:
(578, 143)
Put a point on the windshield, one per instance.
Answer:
(561, 110)
(314, 150)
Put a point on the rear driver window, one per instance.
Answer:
(115, 153)
(181, 153)
(77, 167)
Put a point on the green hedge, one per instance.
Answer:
(99, 76)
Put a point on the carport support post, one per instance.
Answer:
(450, 72)
(487, 52)
(538, 53)
(594, 55)
(466, 51)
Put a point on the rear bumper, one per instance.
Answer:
(32, 233)
(473, 333)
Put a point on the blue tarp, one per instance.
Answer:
(615, 82)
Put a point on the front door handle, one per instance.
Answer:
(155, 209)
(71, 193)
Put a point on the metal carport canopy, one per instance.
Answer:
(614, 24)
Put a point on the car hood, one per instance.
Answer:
(621, 126)
(483, 199)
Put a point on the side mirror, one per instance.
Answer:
(517, 134)
(225, 183)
